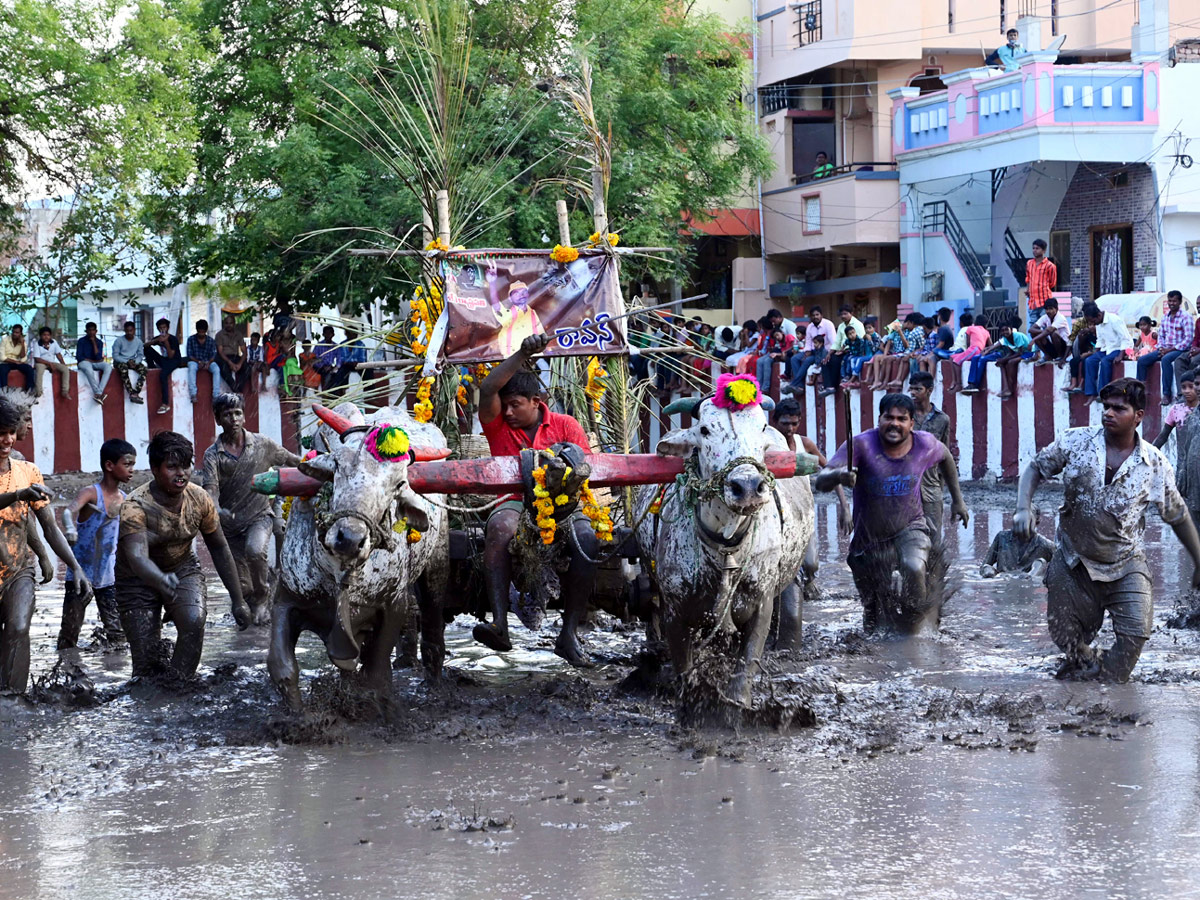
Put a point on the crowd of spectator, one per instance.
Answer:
(849, 354)
(234, 365)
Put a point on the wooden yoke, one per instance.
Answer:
(502, 475)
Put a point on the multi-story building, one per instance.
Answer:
(880, 87)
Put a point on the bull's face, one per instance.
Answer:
(718, 437)
(369, 497)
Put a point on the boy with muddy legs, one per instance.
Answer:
(787, 423)
(247, 518)
(157, 569)
(21, 490)
(891, 530)
(514, 417)
(1110, 475)
(97, 509)
(22, 402)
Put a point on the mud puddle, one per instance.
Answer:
(947, 767)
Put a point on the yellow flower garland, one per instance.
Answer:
(561, 254)
(543, 507)
(742, 391)
(595, 387)
(423, 409)
(601, 521)
(437, 244)
(613, 239)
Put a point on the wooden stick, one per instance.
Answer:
(564, 226)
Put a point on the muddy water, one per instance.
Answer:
(947, 767)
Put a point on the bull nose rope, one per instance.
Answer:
(382, 536)
(696, 489)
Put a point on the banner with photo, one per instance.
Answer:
(494, 303)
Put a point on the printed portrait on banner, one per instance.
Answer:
(494, 303)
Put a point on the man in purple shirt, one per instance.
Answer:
(801, 362)
(891, 531)
(1175, 333)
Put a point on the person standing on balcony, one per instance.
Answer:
(1041, 275)
(823, 168)
(1006, 54)
(1112, 340)
(1175, 334)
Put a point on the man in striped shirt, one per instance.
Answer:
(1175, 333)
(1041, 276)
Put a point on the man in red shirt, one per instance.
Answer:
(514, 418)
(1041, 276)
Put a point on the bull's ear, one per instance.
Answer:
(318, 467)
(676, 443)
(409, 507)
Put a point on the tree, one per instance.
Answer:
(279, 155)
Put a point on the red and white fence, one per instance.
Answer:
(990, 437)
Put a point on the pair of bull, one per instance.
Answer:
(724, 545)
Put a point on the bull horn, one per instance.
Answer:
(686, 405)
(428, 454)
(767, 404)
(336, 421)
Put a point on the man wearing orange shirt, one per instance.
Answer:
(1041, 276)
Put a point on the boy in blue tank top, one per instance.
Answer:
(97, 509)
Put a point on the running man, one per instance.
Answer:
(1110, 476)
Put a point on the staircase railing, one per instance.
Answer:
(1015, 257)
(938, 216)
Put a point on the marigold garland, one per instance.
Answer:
(595, 388)
(613, 239)
(601, 521)
(437, 244)
(543, 507)
(561, 254)
(737, 392)
(423, 409)
(387, 442)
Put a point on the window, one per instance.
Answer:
(812, 213)
(1060, 253)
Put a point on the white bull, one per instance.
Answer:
(347, 571)
(721, 560)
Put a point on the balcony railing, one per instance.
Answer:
(844, 169)
(983, 102)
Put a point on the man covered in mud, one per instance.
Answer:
(891, 530)
(514, 417)
(22, 492)
(157, 568)
(1010, 554)
(927, 417)
(787, 423)
(248, 519)
(1110, 476)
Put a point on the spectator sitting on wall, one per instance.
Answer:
(329, 357)
(1174, 337)
(747, 339)
(945, 334)
(1145, 340)
(47, 354)
(255, 361)
(202, 351)
(832, 370)
(129, 356)
(231, 355)
(353, 359)
(1082, 343)
(1112, 340)
(89, 353)
(970, 342)
(14, 356)
(823, 168)
(774, 353)
(1006, 54)
(1050, 334)
(807, 357)
(1189, 362)
(162, 353)
(726, 343)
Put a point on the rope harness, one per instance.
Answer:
(383, 537)
(696, 490)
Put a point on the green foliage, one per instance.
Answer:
(323, 125)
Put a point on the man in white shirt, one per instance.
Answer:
(1050, 333)
(801, 362)
(129, 355)
(47, 354)
(1112, 340)
(778, 321)
(831, 372)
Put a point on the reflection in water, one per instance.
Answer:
(111, 802)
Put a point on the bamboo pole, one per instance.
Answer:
(599, 204)
(564, 226)
(443, 217)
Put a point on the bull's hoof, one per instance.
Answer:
(739, 693)
(573, 652)
(346, 665)
(490, 636)
(262, 614)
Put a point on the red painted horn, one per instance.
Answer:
(429, 454)
(336, 421)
